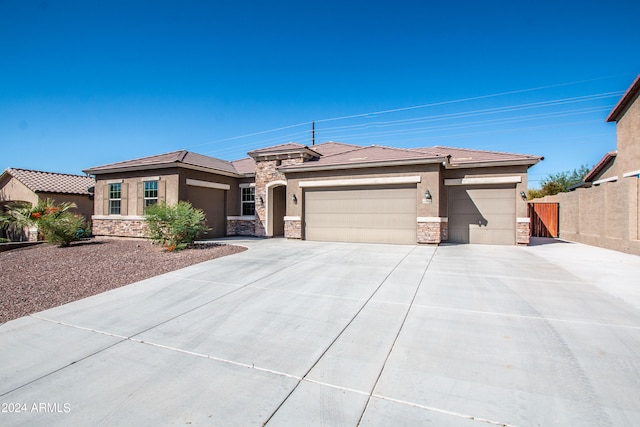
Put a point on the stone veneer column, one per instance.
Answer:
(432, 230)
(292, 227)
(266, 172)
(523, 231)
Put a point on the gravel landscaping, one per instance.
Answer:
(40, 277)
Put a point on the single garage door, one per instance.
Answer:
(361, 214)
(482, 214)
(212, 202)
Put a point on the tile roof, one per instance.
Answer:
(51, 182)
(629, 96)
(363, 156)
(461, 156)
(330, 148)
(173, 158)
(246, 166)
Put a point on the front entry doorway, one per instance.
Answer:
(277, 210)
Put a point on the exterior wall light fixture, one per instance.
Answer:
(523, 195)
(261, 200)
(427, 195)
(294, 198)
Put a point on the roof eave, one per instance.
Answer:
(288, 169)
(625, 101)
(599, 167)
(523, 162)
(101, 171)
(284, 152)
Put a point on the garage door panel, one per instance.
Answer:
(374, 215)
(482, 214)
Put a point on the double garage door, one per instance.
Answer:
(482, 214)
(477, 214)
(371, 214)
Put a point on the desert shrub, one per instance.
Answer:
(175, 226)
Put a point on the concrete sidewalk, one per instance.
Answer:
(307, 333)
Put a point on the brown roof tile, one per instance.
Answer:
(246, 166)
(51, 182)
(330, 148)
(363, 156)
(173, 158)
(461, 156)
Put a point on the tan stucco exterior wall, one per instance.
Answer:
(628, 140)
(13, 190)
(607, 215)
(131, 179)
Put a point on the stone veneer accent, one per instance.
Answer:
(292, 228)
(432, 230)
(240, 227)
(121, 227)
(523, 231)
(266, 172)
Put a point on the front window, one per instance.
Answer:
(150, 193)
(115, 197)
(248, 200)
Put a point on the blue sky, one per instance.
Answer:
(85, 83)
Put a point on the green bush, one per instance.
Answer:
(175, 226)
(61, 229)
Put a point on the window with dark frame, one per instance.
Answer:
(115, 197)
(248, 200)
(150, 193)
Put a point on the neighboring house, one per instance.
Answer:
(328, 192)
(604, 210)
(625, 161)
(23, 185)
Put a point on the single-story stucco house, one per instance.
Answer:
(31, 186)
(328, 192)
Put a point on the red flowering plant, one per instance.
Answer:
(56, 223)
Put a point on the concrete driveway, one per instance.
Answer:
(304, 333)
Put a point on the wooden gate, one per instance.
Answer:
(544, 219)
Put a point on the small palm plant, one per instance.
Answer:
(56, 223)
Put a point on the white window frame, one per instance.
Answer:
(243, 202)
(115, 199)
